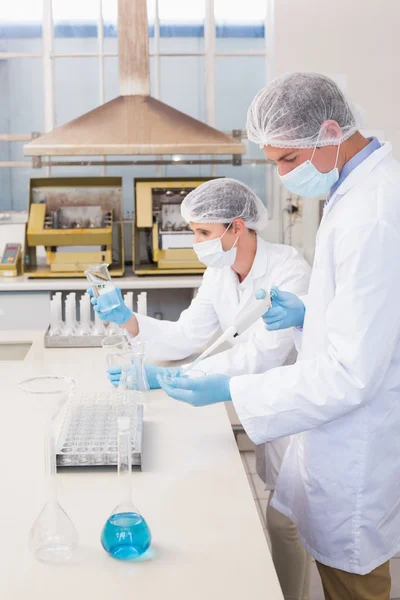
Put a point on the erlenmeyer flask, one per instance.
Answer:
(100, 280)
(133, 374)
(53, 537)
(125, 534)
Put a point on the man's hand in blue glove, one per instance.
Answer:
(287, 310)
(114, 375)
(119, 315)
(201, 391)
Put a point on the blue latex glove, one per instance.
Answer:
(119, 315)
(114, 375)
(287, 310)
(201, 391)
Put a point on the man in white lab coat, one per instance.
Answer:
(340, 478)
(226, 216)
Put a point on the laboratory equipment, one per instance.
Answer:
(142, 304)
(114, 345)
(98, 327)
(85, 325)
(128, 355)
(242, 322)
(53, 537)
(158, 224)
(88, 436)
(126, 534)
(78, 221)
(56, 322)
(100, 281)
(11, 261)
(71, 332)
(71, 326)
(128, 299)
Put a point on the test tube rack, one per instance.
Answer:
(89, 432)
(86, 333)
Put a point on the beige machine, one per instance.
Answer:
(162, 241)
(78, 221)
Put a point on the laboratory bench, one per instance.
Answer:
(193, 491)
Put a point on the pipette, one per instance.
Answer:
(242, 322)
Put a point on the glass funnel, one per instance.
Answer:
(100, 280)
(125, 534)
(53, 537)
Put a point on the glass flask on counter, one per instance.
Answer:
(126, 534)
(53, 538)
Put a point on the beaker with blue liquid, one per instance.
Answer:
(102, 286)
(125, 535)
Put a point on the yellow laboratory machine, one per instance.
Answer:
(162, 241)
(78, 221)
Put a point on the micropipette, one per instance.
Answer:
(242, 322)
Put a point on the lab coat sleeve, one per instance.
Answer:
(176, 340)
(265, 349)
(362, 333)
(298, 331)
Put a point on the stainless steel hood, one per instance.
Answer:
(134, 123)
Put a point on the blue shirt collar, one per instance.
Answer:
(356, 160)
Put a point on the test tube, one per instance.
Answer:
(57, 300)
(85, 325)
(142, 303)
(98, 328)
(128, 299)
(54, 324)
(70, 314)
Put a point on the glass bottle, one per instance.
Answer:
(125, 535)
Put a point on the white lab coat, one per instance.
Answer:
(219, 300)
(340, 478)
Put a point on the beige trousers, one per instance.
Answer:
(291, 561)
(341, 585)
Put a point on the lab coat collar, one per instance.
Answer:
(359, 173)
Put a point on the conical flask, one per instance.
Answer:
(53, 537)
(100, 281)
(125, 535)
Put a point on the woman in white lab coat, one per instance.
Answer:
(226, 216)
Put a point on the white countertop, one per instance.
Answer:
(208, 541)
(130, 282)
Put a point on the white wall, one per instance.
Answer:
(355, 41)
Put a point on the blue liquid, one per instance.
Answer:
(126, 536)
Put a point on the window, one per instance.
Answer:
(59, 59)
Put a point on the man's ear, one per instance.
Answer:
(330, 130)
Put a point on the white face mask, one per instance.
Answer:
(212, 254)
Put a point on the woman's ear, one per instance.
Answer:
(238, 226)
